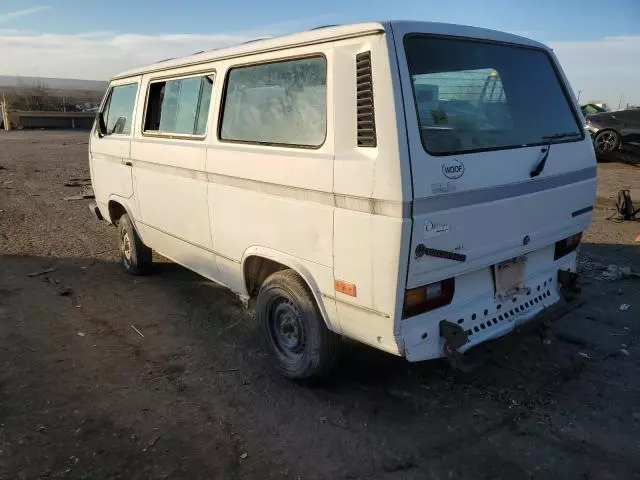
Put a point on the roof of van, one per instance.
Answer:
(330, 33)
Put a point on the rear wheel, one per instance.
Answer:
(299, 343)
(606, 141)
(135, 256)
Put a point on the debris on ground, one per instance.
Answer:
(616, 272)
(78, 182)
(624, 307)
(151, 443)
(137, 331)
(86, 192)
(392, 465)
(64, 290)
(42, 272)
(625, 352)
(81, 334)
(584, 355)
(227, 370)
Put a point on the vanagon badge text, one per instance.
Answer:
(453, 169)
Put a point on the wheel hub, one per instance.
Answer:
(286, 326)
(606, 141)
(126, 246)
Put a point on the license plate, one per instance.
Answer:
(509, 277)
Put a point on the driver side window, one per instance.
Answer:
(118, 111)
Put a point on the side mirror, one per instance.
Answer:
(102, 126)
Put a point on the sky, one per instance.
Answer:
(597, 42)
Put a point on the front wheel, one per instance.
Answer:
(135, 256)
(606, 141)
(299, 343)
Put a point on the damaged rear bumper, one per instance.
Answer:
(452, 331)
(456, 340)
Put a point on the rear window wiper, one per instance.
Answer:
(561, 136)
(537, 170)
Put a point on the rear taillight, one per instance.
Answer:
(566, 246)
(424, 299)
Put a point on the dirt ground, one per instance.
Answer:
(83, 395)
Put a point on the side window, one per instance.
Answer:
(281, 103)
(118, 111)
(179, 106)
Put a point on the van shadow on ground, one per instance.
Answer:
(197, 371)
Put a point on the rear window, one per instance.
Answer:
(474, 96)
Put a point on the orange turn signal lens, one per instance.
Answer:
(345, 287)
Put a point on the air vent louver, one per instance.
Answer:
(364, 96)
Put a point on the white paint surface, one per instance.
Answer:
(339, 212)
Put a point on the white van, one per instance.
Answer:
(418, 187)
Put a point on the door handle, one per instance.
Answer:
(127, 163)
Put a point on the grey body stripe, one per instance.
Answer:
(359, 204)
(491, 194)
(374, 206)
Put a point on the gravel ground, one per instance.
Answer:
(188, 392)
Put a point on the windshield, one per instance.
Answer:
(474, 96)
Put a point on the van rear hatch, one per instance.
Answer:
(499, 158)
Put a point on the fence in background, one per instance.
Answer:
(22, 119)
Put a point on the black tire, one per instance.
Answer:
(606, 141)
(135, 256)
(299, 343)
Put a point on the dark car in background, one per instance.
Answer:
(613, 130)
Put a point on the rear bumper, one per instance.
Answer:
(422, 336)
(525, 321)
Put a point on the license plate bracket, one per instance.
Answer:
(509, 277)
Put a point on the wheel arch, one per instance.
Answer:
(609, 129)
(118, 206)
(258, 263)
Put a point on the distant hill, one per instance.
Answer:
(55, 83)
